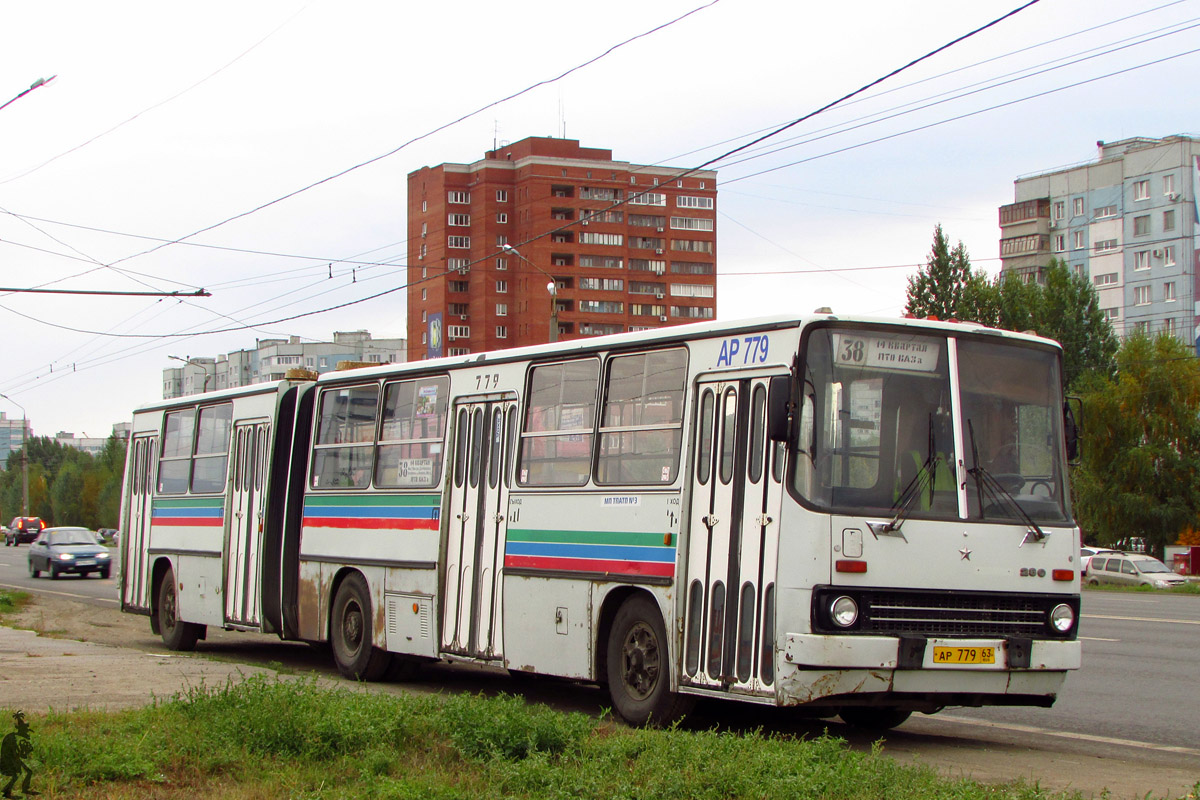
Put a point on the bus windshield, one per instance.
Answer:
(878, 429)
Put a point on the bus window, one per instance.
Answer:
(704, 445)
(411, 436)
(758, 432)
(728, 434)
(560, 417)
(344, 447)
(175, 465)
(642, 428)
(212, 448)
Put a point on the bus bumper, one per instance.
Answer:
(821, 669)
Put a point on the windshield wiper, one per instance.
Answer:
(987, 485)
(925, 477)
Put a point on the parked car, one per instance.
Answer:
(1131, 569)
(1088, 552)
(62, 550)
(23, 529)
(106, 535)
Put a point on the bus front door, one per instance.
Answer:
(243, 536)
(471, 618)
(135, 528)
(735, 504)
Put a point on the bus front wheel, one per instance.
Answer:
(176, 634)
(350, 633)
(639, 677)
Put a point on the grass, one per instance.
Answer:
(267, 738)
(11, 601)
(1191, 587)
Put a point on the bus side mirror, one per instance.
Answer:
(779, 408)
(1071, 428)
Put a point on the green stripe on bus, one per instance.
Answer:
(637, 539)
(373, 499)
(189, 502)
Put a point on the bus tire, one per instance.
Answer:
(873, 718)
(639, 679)
(350, 633)
(176, 634)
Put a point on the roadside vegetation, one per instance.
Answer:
(1192, 587)
(268, 738)
(12, 602)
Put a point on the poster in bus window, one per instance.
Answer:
(426, 402)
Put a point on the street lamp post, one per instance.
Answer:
(551, 287)
(24, 456)
(199, 364)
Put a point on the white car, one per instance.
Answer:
(1088, 552)
(1131, 569)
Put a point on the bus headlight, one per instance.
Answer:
(1062, 618)
(843, 611)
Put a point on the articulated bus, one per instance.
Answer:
(852, 517)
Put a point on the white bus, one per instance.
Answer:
(851, 516)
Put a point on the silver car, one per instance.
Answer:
(1131, 569)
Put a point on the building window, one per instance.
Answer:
(1107, 279)
(1141, 190)
(691, 290)
(691, 268)
(1141, 295)
(1077, 240)
(648, 199)
(647, 221)
(646, 243)
(1077, 207)
(588, 237)
(502, 287)
(1103, 212)
(602, 284)
(458, 331)
(597, 193)
(1112, 314)
(1169, 220)
(606, 262)
(458, 197)
(1142, 327)
(459, 351)
(1169, 326)
(463, 265)
(501, 309)
(647, 265)
(502, 195)
(684, 201)
(461, 309)
(1169, 256)
(1024, 244)
(424, 206)
(602, 306)
(424, 272)
(502, 264)
(459, 219)
(692, 245)
(423, 316)
(1141, 259)
(424, 294)
(501, 331)
(602, 216)
(502, 217)
(1169, 292)
(693, 312)
(1060, 209)
(424, 228)
(501, 240)
(691, 224)
(459, 242)
(598, 329)
(1106, 245)
(424, 252)
(1060, 243)
(459, 286)
(1141, 225)
(1168, 185)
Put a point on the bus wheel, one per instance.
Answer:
(870, 718)
(639, 679)
(357, 659)
(176, 634)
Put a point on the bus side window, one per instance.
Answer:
(560, 419)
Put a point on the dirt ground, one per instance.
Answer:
(78, 655)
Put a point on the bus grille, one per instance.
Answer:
(942, 614)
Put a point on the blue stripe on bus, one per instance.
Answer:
(613, 552)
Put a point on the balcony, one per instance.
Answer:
(1025, 211)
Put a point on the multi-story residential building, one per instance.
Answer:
(1126, 220)
(545, 240)
(12, 433)
(271, 359)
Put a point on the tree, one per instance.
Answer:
(1140, 474)
(937, 290)
(1069, 312)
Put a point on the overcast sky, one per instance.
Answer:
(168, 118)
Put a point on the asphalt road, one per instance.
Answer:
(1126, 721)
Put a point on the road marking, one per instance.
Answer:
(1097, 639)
(1084, 737)
(1144, 619)
(52, 591)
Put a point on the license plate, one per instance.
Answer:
(86, 562)
(964, 655)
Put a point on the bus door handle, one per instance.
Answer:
(764, 520)
(464, 517)
(710, 520)
(497, 518)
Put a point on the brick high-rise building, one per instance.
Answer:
(625, 247)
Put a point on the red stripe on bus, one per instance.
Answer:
(656, 568)
(372, 522)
